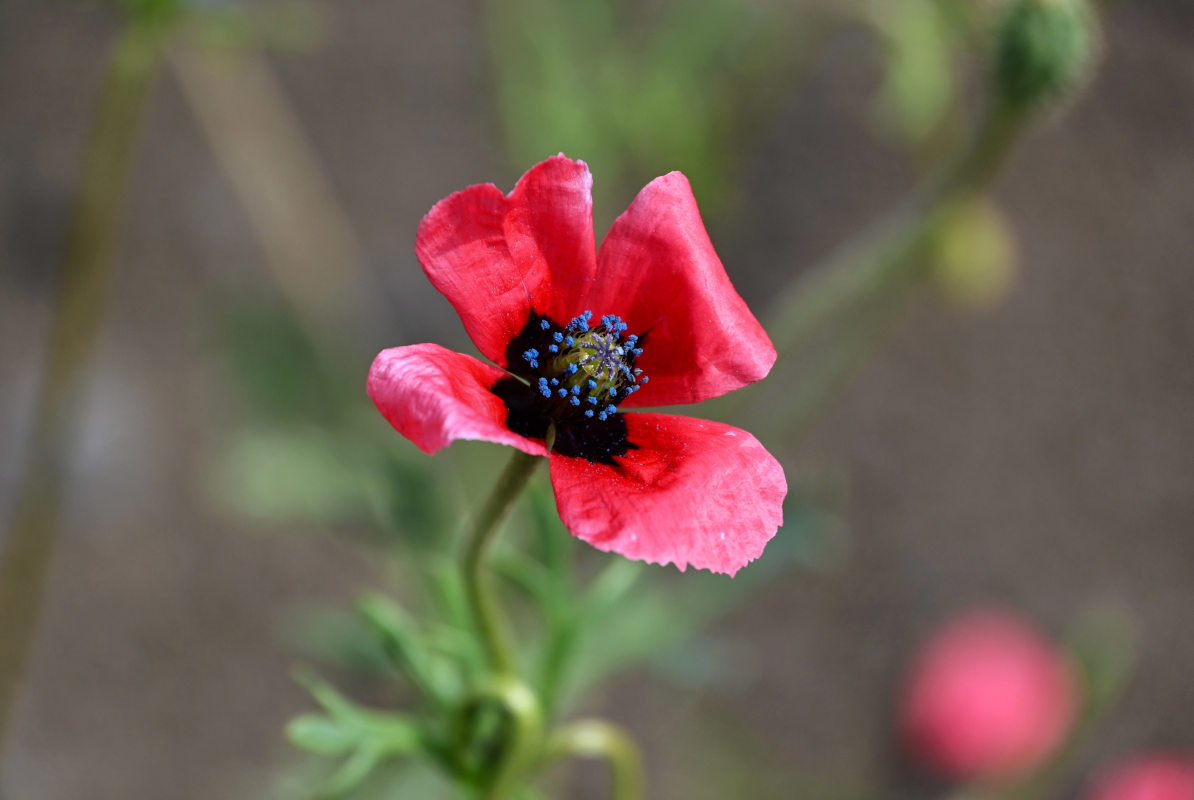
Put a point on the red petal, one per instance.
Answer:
(694, 493)
(496, 256)
(433, 396)
(657, 269)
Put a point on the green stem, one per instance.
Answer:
(521, 732)
(889, 250)
(596, 738)
(876, 275)
(485, 611)
(33, 529)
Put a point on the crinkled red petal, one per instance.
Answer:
(657, 270)
(496, 256)
(693, 493)
(434, 396)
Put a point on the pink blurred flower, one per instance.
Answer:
(989, 696)
(1150, 777)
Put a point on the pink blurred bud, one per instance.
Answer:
(988, 696)
(1152, 777)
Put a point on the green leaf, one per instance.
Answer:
(396, 732)
(320, 734)
(406, 647)
(352, 773)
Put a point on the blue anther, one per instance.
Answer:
(562, 392)
(543, 390)
(589, 413)
(621, 326)
(643, 379)
(601, 416)
(574, 401)
(551, 348)
(633, 389)
(638, 351)
(611, 409)
(631, 340)
(544, 324)
(592, 400)
(576, 390)
(557, 337)
(555, 381)
(568, 340)
(531, 355)
(613, 392)
(592, 384)
(572, 368)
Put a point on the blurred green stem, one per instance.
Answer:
(521, 737)
(887, 253)
(875, 276)
(485, 611)
(28, 547)
(596, 738)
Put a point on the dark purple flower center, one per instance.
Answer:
(572, 377)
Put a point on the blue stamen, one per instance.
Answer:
(555, 381)
(589, 413)
(562, 392)
(544, 324)
(592, 384)
(643, 379)
(611, 409)
(592, 400)
(601, 416)
(638, 351)
(621, 326)
(568, 340)
(613, 392)
(576, 390)
(557, 337)
(572, 368)
(574, 400)
(551, 348)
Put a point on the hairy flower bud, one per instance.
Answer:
(988, 697)
(1043, 50)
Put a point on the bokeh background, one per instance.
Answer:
(1033, 449)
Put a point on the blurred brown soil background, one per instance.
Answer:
(1041, 455)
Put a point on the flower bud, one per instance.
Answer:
(1043, 50)
(1151, 777)
(988, 697)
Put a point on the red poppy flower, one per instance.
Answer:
(578, 337)
(1156, 776)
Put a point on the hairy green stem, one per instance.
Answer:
(485, 611)
(28, 547)
(597, 738)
